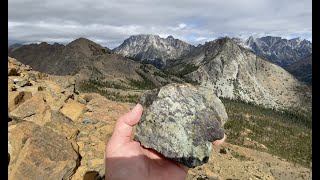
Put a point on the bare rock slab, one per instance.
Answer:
(180, 121)
(37, 152)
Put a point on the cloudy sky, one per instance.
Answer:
(110, 22)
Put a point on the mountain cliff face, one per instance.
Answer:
(153, 49)
(235, 72)
(280, 51)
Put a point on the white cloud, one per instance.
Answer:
(182, 25)
(112, 21)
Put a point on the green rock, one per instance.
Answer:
(180, 121)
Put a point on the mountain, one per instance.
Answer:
(285, 53)
(14, 47)
(280, 51)
(302, 69)
(153, 49)
(237, 73)
(90, 61)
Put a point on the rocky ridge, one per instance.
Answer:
(88, 60)
(279, 50)
(54, 131)
(57, 133)
(153, 49)
(287, 53)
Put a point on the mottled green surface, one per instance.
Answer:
(180, 121)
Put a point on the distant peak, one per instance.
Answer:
(170, 37)
(80, 41)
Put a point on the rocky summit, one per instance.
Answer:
(180, 121)
(153, 49)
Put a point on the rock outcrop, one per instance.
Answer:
(181, 121)
(37, 152)
(55, 132)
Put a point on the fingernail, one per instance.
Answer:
(136, 107)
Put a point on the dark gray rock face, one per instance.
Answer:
(180, 121)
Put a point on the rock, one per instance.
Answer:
(56, 100)
(96, 128)
(73, 110)
(89, 121)
(39, 153)
(66, 129)
(92, 175)
(32, 76)
(15, 98)
(180, 121)
(223, 151)
(20, 81)
(33, 109)
(13, 72)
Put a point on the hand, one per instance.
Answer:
(127, 159)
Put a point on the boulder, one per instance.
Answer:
(181, 121)
(21, 81)
(56, 100)
(15, 98)
(73, 110)
(33, 109)
(37, 152)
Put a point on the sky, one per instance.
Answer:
(110, 22)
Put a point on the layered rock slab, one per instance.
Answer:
(180, 121)
(37, 152)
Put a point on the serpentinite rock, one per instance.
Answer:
(180, 121)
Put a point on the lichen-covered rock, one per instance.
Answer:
(180, 121)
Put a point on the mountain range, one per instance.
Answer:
(286, 53)
(237, 73)
(160, 51)
(223, 65)
(88, 60)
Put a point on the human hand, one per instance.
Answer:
(127, 159)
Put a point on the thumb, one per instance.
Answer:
(124, 126)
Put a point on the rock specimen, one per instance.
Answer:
(180, 121)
